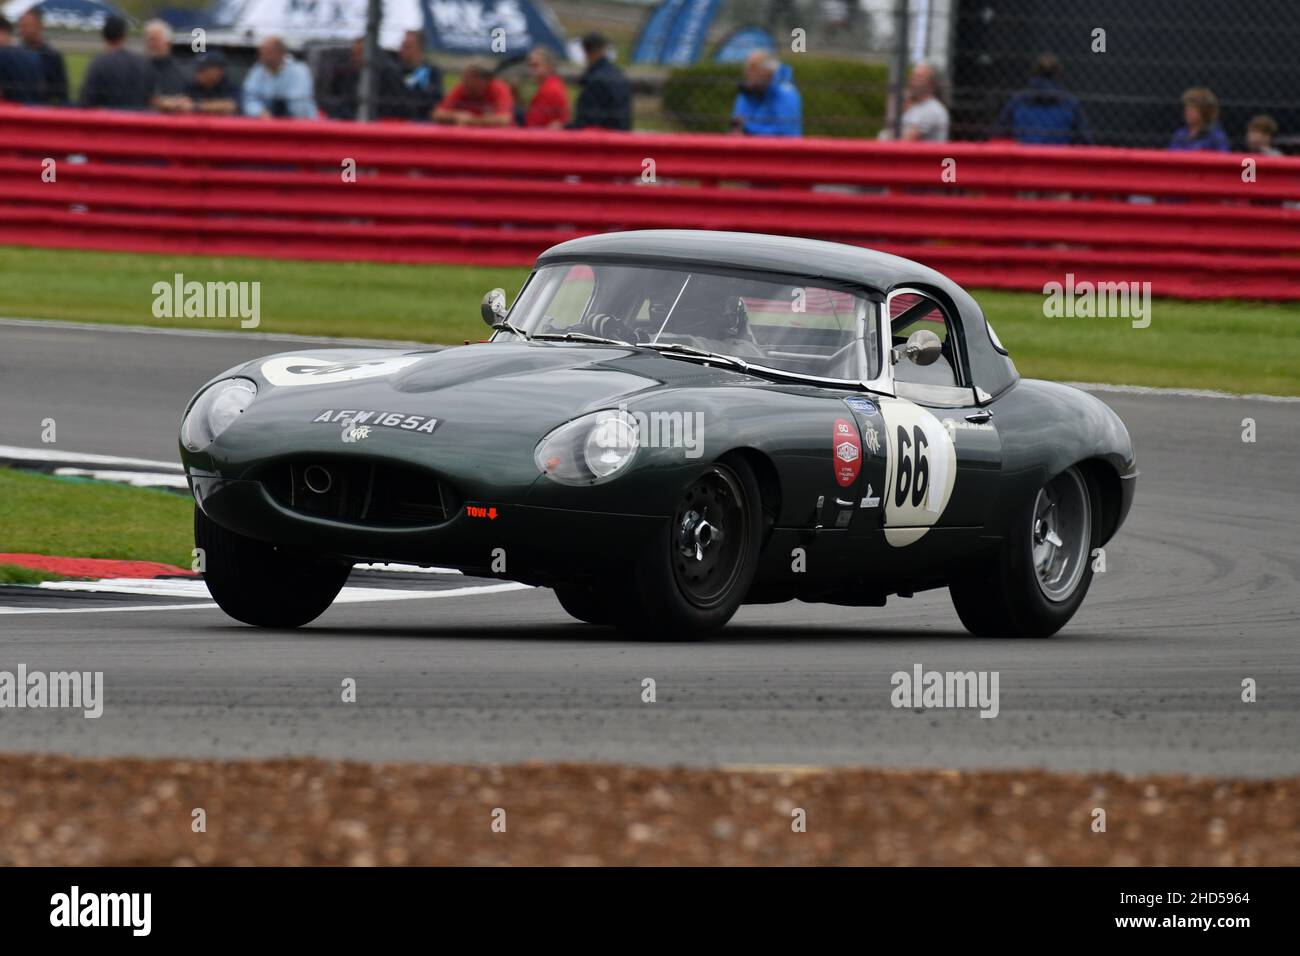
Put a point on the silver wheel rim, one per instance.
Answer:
(1061, 535)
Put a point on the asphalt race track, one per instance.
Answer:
(1201, 591)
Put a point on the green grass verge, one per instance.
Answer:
(371, 300)
(1234, 346)
(16, 574)
(74, 517)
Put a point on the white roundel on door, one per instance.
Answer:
(920, 470)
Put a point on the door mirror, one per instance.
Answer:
(493, 309)
(922, 348)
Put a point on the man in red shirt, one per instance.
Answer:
(479, 99)
(549, 108)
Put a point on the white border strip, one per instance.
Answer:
(349, 595)
(72, 459)
(1181, 392)
(212, 333)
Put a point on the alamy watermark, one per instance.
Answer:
(80, 690)
(921, 689)
(179, 299)
(1100, 300)
(683, 430)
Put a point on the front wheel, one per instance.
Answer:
(693, 578)
(589, 605)
(260, 584)
(1043, 570)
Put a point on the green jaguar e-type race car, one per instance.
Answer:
(666, 425)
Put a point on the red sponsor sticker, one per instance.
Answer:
(848, 452)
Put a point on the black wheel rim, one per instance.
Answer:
(709, 536)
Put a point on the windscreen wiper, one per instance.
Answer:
(504, 326)
(681, 349)
(578, 337)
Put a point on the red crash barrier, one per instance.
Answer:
(1000, 215)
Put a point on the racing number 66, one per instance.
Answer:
(916, 482)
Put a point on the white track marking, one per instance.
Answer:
(404, 569)
(179, 587)
(103, 610)
(138, 479)
(74, 459)
(1180, 392)
(213, 333)
(349, 595)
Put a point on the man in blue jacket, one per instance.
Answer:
(768, 103)
(1044, 113)
(22, 78)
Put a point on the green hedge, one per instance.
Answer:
(840, 97)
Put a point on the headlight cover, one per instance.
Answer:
(589, 449)
(214, 411)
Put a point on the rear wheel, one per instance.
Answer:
(1044, 568)
(692, 579)
(260, 584)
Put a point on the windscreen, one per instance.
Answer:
(764, 320)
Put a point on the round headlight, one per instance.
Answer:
(214, 411)
(590, 448)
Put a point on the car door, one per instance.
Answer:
(944, 453)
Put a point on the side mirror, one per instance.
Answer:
(493, 308)
(923, 348)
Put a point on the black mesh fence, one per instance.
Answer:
(1111, 72)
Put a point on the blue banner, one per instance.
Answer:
(471, 27)
(675, 33)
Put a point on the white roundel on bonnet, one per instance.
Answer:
(290, 370)
(920, 470)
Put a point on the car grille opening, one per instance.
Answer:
(362, 492)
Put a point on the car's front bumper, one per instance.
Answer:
(521, 542)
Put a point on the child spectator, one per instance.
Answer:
(1259, 136)
(1202, 132)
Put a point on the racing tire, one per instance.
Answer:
(1043, 568)
(693, 578)
(586, 604)
(260, 584)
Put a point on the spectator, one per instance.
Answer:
(278, 84)
(31, 30)
(549, 107)
(1202, 132)
(210, 91)
(21, 75)
(606, 97)
(479, 99)
(422, 81)
(768, 103)
(118, 78)
(1259, 135)
(1043, 112)
(924, 119)
(169, 78)
(341, 97)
